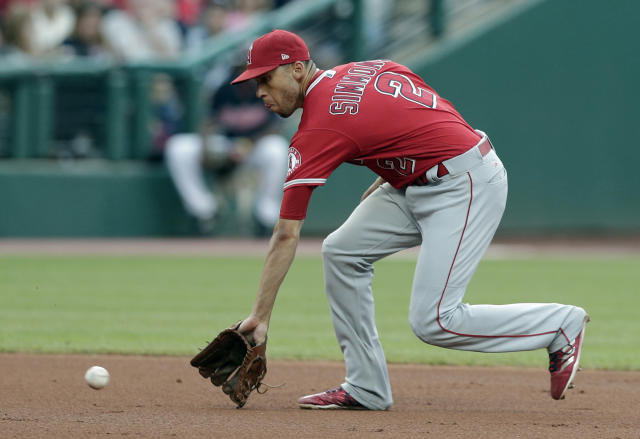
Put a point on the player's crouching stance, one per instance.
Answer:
(440, 186)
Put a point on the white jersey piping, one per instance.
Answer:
(327, 73)
(308, 181)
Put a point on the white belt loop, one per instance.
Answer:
(432, 175)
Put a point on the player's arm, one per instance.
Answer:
(282, 249)
(376, 184)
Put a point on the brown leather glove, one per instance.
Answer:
(232, 352)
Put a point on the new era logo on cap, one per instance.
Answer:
(272, 50)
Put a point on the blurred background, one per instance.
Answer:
(92, 92)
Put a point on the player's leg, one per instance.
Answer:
(183, 156)
(458, 219)
(269, 157)
(379, 226)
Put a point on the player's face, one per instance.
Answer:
(280, 90)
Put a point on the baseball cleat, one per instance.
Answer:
(564, 363)
(331, 399)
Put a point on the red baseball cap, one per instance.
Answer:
(271, 50)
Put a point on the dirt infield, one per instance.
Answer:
(499, 249)
(44, 396)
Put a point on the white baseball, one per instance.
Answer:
(97, 377)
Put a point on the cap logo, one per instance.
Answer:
(249, 55)
(284, 56)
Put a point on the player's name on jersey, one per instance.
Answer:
(350, 88)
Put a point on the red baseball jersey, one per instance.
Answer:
(377, 114)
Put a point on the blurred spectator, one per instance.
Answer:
(241, 134)
(53, 22)
(5, 5)
(17, 32)
(243, 12)
(220, 15)
(146, 30)
(166, 111)
(376, 12)
(188, 13)
(87, 40)
(214, 21)
(104, 5)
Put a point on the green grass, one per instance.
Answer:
(172, 305)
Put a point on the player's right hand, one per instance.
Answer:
(376, 184)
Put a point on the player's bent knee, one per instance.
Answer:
(427, 329)
(329, 246)
(341, 252)
(338, 246)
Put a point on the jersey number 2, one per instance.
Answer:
(395, 84)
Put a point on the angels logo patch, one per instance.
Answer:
(295, 160)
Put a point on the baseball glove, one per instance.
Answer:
(232, 352)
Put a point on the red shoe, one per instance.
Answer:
(563, 364)
(331, 399)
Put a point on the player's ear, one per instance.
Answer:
(298, 70)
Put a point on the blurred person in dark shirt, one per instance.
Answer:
(240, 134)
(87, 40)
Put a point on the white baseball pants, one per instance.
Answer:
(453, 219)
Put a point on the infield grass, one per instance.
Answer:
(173, 305)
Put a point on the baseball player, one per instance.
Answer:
(440, 185)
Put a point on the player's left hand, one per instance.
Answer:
(231, 351)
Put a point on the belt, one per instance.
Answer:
(457, 164)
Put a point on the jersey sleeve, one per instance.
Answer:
(315, 154)
(295, 202)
